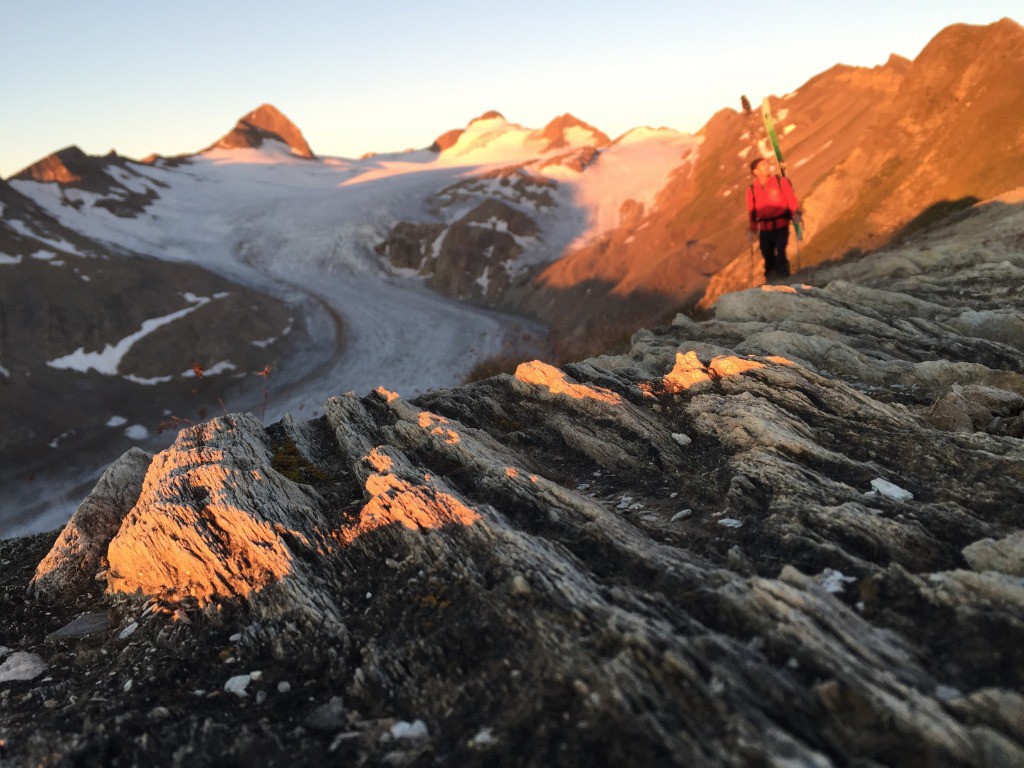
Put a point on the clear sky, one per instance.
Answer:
(356, 76)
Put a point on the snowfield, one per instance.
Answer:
(306, 229)
(294, 228)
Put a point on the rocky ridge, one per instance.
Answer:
(874, 153)
(789, 534)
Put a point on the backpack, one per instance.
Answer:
(753, 197)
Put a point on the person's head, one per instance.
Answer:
(760, 168)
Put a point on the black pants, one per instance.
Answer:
(773, 248)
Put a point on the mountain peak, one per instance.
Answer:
(263, 123)
(568, 130)
(491, 114)
(963, 41)
(449, 139)
(62, 166)
(65, 166)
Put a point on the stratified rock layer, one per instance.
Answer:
(748, 541)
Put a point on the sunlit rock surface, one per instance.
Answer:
(767, 538)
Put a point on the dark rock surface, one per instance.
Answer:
(748, 541)
(472, 258)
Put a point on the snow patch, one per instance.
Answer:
(148, 382)
(25, 231)
(484, 280)
(130, 181)
(834, 581)
(55, 443)
(44, 255)
(136, 432)
(109, 358)
(116, 421)
(889, 490)
(435, 247)
(83, 197)
(5, 259)
(213, 370)
(403, 730)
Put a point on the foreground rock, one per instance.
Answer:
(762, 539)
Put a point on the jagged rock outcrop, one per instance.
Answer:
(65, 166)
(745, 542)
(81, 549)
(114, 181)
(266, 122)
(472, 258)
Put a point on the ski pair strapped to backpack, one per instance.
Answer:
(769, 127)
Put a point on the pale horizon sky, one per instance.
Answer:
(141, 77)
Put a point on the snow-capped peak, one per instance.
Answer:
(568, 131)
(491, 138)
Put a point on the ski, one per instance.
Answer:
(769, 127)
(752, 127)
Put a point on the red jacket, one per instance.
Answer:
(772, 205)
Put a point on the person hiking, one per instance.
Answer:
(772, 204)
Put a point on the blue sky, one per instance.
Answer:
(145, 76)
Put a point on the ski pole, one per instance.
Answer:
(751, 262)
(798, 254)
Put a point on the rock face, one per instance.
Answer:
(263, 123)
(114, 182)
(472, 258)
(81, 548)
(65, 167)
(869, 153)
(748, 541)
